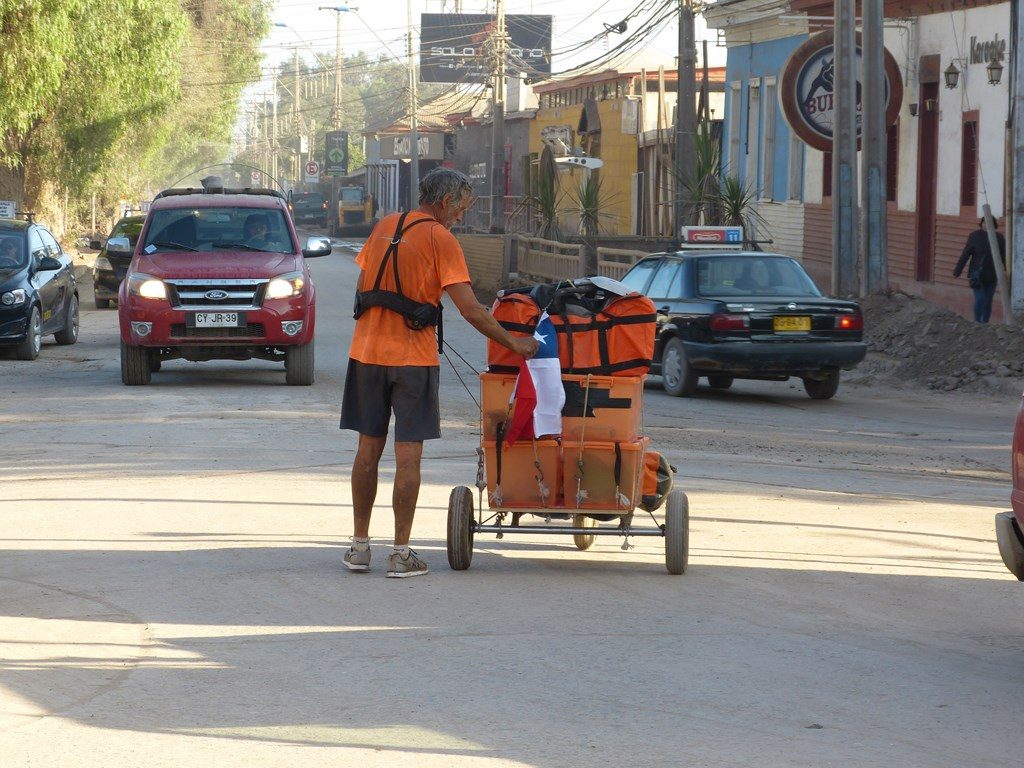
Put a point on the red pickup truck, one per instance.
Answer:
(218, 274)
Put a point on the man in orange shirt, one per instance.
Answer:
(408, 261)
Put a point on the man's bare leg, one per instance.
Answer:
(364, 482)
(407, 489)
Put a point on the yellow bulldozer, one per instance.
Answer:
(356, 210)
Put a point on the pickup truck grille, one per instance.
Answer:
(241, 293)
(250, 331)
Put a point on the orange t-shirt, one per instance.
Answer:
(429, 260)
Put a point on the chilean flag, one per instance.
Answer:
(539, 395)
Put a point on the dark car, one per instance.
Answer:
(1009, 525)
(111, 268)
(38, 292)
(729, 315)
(309, 207)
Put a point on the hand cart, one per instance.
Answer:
(581, 487)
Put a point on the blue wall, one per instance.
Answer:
(764, 59)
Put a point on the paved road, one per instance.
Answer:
(171, 588)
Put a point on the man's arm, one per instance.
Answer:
(968, 252)
(477, 315)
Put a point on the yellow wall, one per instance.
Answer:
(619, 152)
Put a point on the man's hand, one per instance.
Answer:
(526, 347)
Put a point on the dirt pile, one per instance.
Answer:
(914, 343)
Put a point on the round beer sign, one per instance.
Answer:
(807, 93)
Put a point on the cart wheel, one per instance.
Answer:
(584, 541)
(677, 532)
(460, 528)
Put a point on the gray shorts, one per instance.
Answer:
(372, 392)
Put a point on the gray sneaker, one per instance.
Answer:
(403, 567)
(356, 560)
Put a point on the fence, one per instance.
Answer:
(547, 260)
(615, 262)
(519, 216)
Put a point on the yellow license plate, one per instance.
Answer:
(791, 323)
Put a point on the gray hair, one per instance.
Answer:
(440, 183)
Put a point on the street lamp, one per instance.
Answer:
(336, 112)
(951, 75)
(995, 71)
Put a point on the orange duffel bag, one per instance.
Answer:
(655, 481)
(518, 314)
(608, 336)
(600, 331)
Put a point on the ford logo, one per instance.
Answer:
(216, 295)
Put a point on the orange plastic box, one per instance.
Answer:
(522, 486)
(609, 408)
(597, 488)
(495, 392)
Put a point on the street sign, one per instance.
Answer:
(7, 209)
(312, 172)
(336, 152)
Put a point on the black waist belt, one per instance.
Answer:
(418, 316)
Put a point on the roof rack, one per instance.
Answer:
(219, 191)
(30, 216)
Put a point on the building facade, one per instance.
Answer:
(947, 150)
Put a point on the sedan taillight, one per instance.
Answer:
(722, 322)
(850, 322)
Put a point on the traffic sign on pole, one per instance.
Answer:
(336, 152)
(312, 172)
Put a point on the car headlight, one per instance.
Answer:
(104, 263)
(13, 298)
(146, 286)
(284, 286)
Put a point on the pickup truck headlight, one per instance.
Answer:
(13, 298)
(283, 286)
(146, 286)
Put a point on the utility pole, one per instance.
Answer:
(499, 47)
(414, 135)
(874, 275)
(686, 115)
(273, 134)
(844, 152)
(1016, 238)
(298, 124)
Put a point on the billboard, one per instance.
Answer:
(455, 47)
(807, 96)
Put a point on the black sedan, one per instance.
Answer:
(111, 268)
(729, 315)
(38, 292)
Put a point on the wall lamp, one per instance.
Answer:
(995, 71)
(951, 75)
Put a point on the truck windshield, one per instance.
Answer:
(351, 195)
(207, 229)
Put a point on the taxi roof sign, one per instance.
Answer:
(713, 235)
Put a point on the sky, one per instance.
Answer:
(575, 21)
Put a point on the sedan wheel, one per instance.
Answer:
(822, 389)
(29, 348)
(69, 333)
(677, 378)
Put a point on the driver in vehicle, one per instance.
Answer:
(256, 231)
(9, 254)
